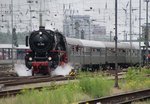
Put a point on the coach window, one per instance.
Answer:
(20, 54)
(133, 51)
(127, 52)
(138, 52)
(77, 48)
(87, 51)
(4, 54)
(98, 50)
(72, 49)
(102, 52)
(93, 50)
(1, 57)
(81, 50)
(8, 54)
(111, 51)
(119, 52)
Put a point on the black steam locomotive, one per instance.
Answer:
(47, 51)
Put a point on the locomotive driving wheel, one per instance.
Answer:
(49, 71)
(32, 72)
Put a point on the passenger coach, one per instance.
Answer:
(93, 55)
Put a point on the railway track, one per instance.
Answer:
(13, 81)
(4, 80)
(30, 82)
(21, 77)
(125, 98)
(9, 79)
(37, 80)
(10, 92)
(14, 91)
(9, 84)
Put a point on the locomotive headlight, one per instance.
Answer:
(30, 58)
(40, 32)
(49, 58)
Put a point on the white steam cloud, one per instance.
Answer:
(22, 70)
(62, 70)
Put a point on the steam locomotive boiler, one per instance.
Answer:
(47, 51)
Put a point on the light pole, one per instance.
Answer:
(147, 32)
(30, 21)
(140, 32)
(130, 31)
(116, 38)
(40, 14)
(12, 34)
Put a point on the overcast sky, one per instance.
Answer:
(100, 10)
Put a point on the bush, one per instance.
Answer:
(135, 79)
(96, 87)
(63, 95)
(145, 71)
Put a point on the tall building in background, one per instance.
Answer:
(82, 27)
(98, 32)
(77, 26)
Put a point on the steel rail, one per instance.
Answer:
(121, 98)
(39, 80)
(20, 78)
(32, 81)
(14, 92)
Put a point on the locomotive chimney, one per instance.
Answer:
(42, 28)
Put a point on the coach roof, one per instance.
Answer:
(95, 44)
(74, 41)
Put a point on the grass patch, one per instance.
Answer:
(142, 102)
(96, 86)
(85, 89)
(135, 79)
(62, 95)
(145, 71)
(89, 86)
